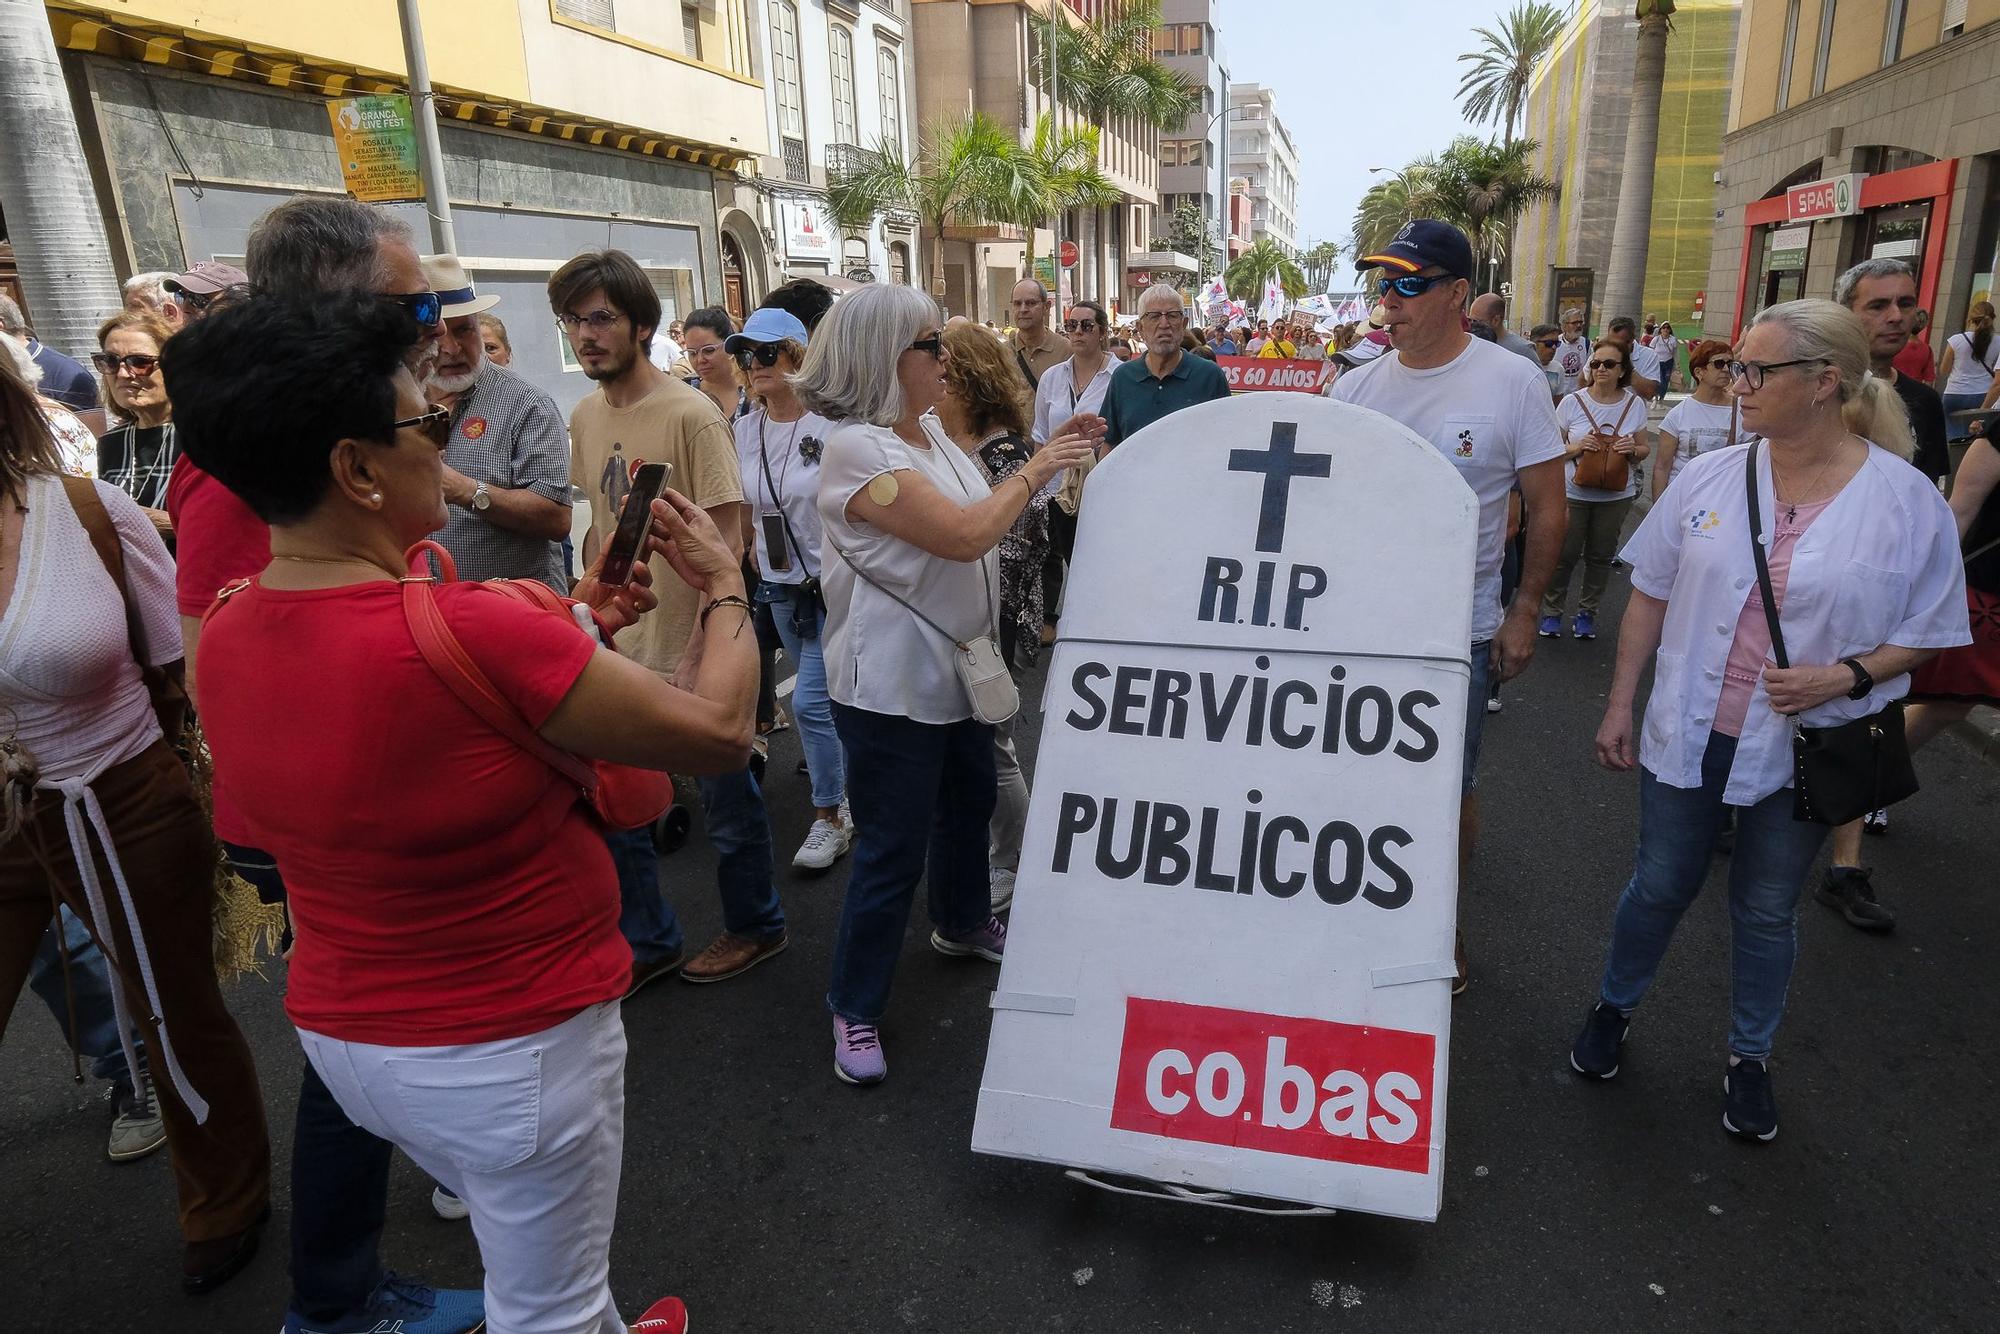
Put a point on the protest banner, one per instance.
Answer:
(1257, 374)
(1229, 961)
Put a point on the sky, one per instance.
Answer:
(1358, 84)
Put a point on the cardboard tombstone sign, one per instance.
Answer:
(1230, 953)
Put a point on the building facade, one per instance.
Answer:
(1577, 113)
(1867, 128)
(1194, 157)
(979, 55)
(837, 84)
(566, 124)
(1263, 157)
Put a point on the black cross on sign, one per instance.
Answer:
(1279, 464)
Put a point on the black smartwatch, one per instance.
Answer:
(1863, 682)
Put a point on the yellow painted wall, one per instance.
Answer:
(472, 44)
(1856, 53)
(1858, 29)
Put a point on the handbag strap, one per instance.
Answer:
(1763, 568)
(771, 488)
(868, 579)
(448, 659)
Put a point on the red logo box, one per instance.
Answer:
(1306, 1087)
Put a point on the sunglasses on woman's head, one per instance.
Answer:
(435, 424)
(764, 354)
(138, 362)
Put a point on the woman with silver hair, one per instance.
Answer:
(910, 572)
(1857, 555)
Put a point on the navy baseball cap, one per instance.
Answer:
(1421, 244)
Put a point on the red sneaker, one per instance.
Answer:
(669, 1315)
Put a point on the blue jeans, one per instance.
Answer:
(1767, 870)
(801, 620)
(95, 1037)
(741, 832)
(645, 918)
(340, 1172)
(895, 763)
(1955, 431)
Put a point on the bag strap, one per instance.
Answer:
(96, 520)
(1763, 569)
(771, 487)
(868, 579)
(1034, 380)
(448, 659)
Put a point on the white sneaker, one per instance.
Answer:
(1002, 882)
(1493, 704)
(447, 1205)
(826, 842)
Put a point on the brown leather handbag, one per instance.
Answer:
(1603, 468)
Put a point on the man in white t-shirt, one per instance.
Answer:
(1646, 380)
(1574, 349)
(1488, 412)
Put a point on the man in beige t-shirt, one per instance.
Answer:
(674, 424)
(1033, 346)
(640, 414)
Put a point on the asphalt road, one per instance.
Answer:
(775, 1199)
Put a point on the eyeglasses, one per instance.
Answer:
(1079, 326)
(1157, 317)
(1752, 373)
(1607, 365)
(138, 362)
(764, 354)
(598, 321)
(194, 303)
(1412, 284)
(931, 343)
(1548, 342)
(426, 308)
(704, 350)
(435, 424)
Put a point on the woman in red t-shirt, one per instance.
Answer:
(458, 963)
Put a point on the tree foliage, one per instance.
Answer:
(1495, 88)
(1246, 275)
(1106, 68)
(1480, 187)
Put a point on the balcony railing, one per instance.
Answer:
(849, 159)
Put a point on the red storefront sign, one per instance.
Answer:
(1258, 374)
(1834, 197)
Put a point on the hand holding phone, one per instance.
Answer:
(633, 521)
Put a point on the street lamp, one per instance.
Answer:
(1221, 180)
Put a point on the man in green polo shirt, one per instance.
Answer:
(1166, 379)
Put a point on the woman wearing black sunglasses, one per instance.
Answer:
(458, 970)
(138, 456)
(1604, 431)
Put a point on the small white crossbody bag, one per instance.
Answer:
(981, 669)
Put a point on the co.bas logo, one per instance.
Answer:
(1305, 1087)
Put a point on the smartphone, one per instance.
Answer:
(777, 547)
(649, 480)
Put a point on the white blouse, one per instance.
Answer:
(1057, 398)
(72, 694)
(1879, 566)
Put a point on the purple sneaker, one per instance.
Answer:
(857, 1053)
(988, 942)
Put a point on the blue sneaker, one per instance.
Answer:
(1550, 627)
(1584, 626)
(1749, 1111)
(407, 1307)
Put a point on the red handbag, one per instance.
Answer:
(623, 795)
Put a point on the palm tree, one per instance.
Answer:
(1065, 176)
(1318, 264)
(1483, 187)
(52, 216)
(1496, 87)
(966, 172)
(1106, 70)
(1393, 201)
(1625, 282)
(1248, 272)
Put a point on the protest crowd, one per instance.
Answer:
(300, 621)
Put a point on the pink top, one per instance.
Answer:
(1751, 649)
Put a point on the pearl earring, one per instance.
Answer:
(375, 496)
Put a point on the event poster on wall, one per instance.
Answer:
(1230, 954)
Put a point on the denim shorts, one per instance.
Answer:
(1478, 686)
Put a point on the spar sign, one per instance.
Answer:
(1229, 960)
(1246, 374)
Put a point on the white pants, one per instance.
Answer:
(530, 1133)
